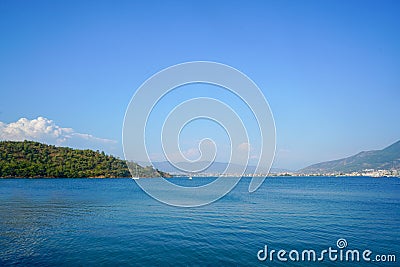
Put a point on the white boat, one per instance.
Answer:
(136, 177)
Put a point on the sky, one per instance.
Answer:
(328, 69)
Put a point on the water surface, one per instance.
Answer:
(105, 222)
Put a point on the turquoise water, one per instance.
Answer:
(71, 222)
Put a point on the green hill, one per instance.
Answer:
(385, 159)
(33, 159)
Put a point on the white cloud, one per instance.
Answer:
(192, 153)
(90, 137)
(39, 129)
(47, 131)
(244, 147)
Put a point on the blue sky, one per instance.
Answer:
(329, 69)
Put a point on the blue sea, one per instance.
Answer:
(107, 222)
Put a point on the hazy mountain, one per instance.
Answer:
(385, 159)
(216, 167)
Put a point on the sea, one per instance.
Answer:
(113, 222)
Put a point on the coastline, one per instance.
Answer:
(212, 176)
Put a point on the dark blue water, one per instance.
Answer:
(73, 222)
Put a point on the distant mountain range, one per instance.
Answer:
(385, 159)
(216, 167)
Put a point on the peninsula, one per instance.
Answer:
(30, 159)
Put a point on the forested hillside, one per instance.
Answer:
(33, 159)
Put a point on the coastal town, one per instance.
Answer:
(364, 173)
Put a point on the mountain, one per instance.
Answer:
(385, 159)
(216, 167)
(33, 159)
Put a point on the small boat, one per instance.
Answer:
(136, 177)
(190, 177)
